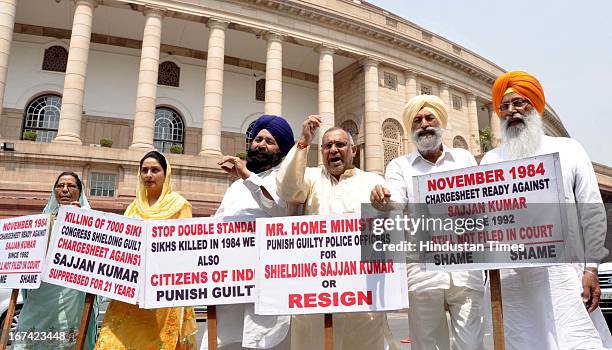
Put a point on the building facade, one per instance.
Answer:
(188, 77)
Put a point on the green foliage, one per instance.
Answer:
(29, 135)
(106, 142)
(241, 155)
(485, 139)
(177, 149)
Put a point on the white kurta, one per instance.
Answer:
(321, 193)
(237, 324)
(428, 291)
(543, 307)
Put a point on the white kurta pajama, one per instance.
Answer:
(237, 325)
(428, 291)
(543, 307)
(321, 193)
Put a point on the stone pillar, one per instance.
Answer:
(411, 85)
(411, 91)
(473, 124)
(326, 92)
(69, 130)
(144, 118)
(7, 24)
(445, 95)
(274, 75)
(495, 126)
(373, 141)
(213, 89)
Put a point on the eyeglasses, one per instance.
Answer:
(71, 187)
(339, 144)
(516, 103)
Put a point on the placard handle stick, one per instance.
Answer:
(329, 332)
(211, 323)
(497, 310)
(8, 320)
(85, 316)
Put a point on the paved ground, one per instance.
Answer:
(398, 322)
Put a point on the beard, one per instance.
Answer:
(428, 140)
(522, 139)
(258, 160)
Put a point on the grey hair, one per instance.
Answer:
(350, 137)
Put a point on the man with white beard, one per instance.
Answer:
(426, 116)
(548, 307)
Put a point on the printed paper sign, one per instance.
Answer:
(508, 214)
(96, 252)
(314, 264)
(200, 261)
(23, 244)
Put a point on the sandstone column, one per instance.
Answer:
(411, 85)
(69, 130)
(411, 91)
(373, 140)
(473, 124)
(7, 24)
(274, 75)
(213, 89)
(144, 118)
(445, 95)
(495, 126)
(326, 91)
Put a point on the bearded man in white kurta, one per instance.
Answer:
(336, 187)
(426, 116)
(549, 307)
(254, 194)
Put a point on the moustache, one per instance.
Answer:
(427, 131)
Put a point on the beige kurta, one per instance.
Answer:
(321, 193)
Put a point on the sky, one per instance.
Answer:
(566, 44)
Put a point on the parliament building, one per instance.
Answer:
(90, 85)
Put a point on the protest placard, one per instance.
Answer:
(23, 244)
(96, 252)
(508, 214)
(315, 264)
(200, 261)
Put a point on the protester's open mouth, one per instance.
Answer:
(426, 133)
(515, 121)
(149, 183)
(335, 160)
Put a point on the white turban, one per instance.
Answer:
(432, 103)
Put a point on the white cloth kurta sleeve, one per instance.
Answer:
(291, 183)
(273, 207)
(226, 202)
(472, 160)
(591, 211)
(395, 182)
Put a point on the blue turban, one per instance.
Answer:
(279, 128)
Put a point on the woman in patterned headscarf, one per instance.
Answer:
(52, 308)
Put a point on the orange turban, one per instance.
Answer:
(523, 84)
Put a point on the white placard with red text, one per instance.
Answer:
(520, 208)
(313, 264)
(23, 244)
(97, 253)
(200, 261)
